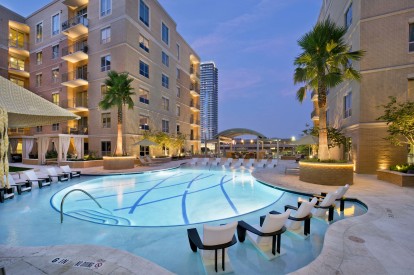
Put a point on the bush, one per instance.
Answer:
(51, 154)
(324, 161)
(403, 168)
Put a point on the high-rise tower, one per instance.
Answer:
(209, 100)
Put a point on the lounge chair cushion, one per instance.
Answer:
(304, 210)
(327, 201)
(274, 222)
(215, 235)
(341, 191)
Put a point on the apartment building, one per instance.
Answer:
(209, 100)
(385, 30)
(64, 51)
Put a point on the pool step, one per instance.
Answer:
(97, 216)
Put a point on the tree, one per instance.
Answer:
(118, 94)
(400, 120)
(324, 63)
(335, 136)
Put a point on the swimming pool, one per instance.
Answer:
(168, 198)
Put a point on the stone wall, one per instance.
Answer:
(326, 173)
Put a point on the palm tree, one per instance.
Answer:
(118, 94)
(324, 63)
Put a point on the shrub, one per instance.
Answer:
(403, 168)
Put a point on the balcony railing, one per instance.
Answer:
(194, 105)
(193, 71)
(79, 130)
(76, 47)
(194, 121)
(194, 138)
(80, 19)
(74, 75)
(195, 87)
(18, 44)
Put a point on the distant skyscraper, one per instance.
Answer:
(208, 100)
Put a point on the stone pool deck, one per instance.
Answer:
(379, 242)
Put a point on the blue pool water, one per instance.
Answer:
(32, 220)
(168, 198)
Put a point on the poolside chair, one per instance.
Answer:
(72, 174)
(238, 164)
(204, 161)
(21, 186)
(6, 193)
(216, 238)
(250, 163)
(302, 213)
(262, 163)
(266, 237)
(340, 192)
(217, 161)
(194, 161)
(327, 203)
(52, 173)
(149, 160)
(228, 162)
(32, 177)
(272, 164)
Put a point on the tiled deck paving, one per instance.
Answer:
(379, 242)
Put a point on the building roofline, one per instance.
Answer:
(42, 8)
(6, 8)
(208, 62)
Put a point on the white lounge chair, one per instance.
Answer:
(21, 186)
(32, 177)
(340, 193)
(249, 163)
(238, 164)
(217, 161)
(72, 174)
(53, 174)
(262, 163)
(194, 161)
(228, 162)
(272, 164)
(302, 213)
(266, 237)
(204, 161)
(326, 204)
(216, 240)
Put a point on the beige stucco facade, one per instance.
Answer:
(82, 45)
(381, 29)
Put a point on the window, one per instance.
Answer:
(55, 127)
(105, 63)
(348, 16)
(165, 36)
(104, 89)
(39, 129)
(105, 148)
(16, 39)
(143, 96)
(178, 111)
(106, 120)
(17, 81)
(165, 103)
(39, 32)
(39, 58)
(55, 98)
(143, 123)
(55, 24)
(165, 126)
(55, 51)
(16, 63)
(178, 92)
(55, 75)
(178, 128)
(178, 51)
(144, 43)
(165, 81)
(165, 59)
(348, 105)
(411, 39)
(106, 7)
(143, 69)
(106, 35)
(178, 73)
(144, 13)
(38, 80)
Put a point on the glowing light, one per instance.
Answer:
(293, 138)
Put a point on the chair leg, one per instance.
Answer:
(40, 184)
(223, 262)
(342, 205)
(19, 189)
(215, 259)
(331, 213)
(307, 227)
(273, 244)
(279, 240)
(241, 233)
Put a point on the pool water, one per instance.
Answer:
(168, 198)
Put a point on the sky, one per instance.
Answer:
(253, 43)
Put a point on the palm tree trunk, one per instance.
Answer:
(323, 152)
(119, 149)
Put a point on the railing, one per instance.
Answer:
(21, 45)
(80, 130)
(194, 121)
(195, 87)
(80, 19)
(18, 66)
(74, 75)
(77, 102)
(64, 197)
(194, 105)
(81, 46)
(194, 138)
(193, 71)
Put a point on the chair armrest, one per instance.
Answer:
(290, 207)
(274, 212)
(317, 196)
(323, 194)
(262, 219)
(325, 207)
(194, 239)
(300, 219)
(250, 228)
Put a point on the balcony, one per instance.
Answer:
(314, 96)
(18, 68)
(19, 47)
(75, 79)
(194, 90)
(76, 26)
(194, 106)
(75, 52)
(194, 122)
(315, 115)
(79, 130)
(75, 3)
(193, 137)
(194, 74)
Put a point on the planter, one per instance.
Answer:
(82, 164)
(118, 163)
(398, 178)
(30, 161)
(326, 173)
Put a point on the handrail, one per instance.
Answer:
(64, 197)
